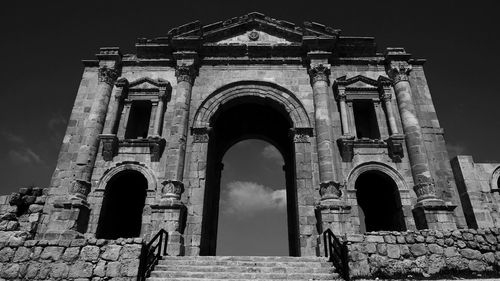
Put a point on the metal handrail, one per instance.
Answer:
(152, 253)
(337, 253)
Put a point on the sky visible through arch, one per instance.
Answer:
(252, 206)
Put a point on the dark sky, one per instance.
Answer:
(43, 42)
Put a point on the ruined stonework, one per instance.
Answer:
(364, 154)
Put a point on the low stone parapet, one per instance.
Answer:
(425, 253)
(78, 259)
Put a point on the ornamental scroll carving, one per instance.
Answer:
(108, 75)
(185, 73)
(330, 190)
(400, 72)
(319, 73)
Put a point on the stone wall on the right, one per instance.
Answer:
(478, 187)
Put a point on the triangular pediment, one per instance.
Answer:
(255, 37)
(147, 84)
(252, 27)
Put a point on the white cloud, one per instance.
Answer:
(249, 198)
(271, 152)
(24, 155)
(13, 138)
(455, 149)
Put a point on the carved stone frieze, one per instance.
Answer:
(186, 73)
(201, 134)
(319, 72)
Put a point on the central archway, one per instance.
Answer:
(247, 117)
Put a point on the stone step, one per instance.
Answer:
(193, 262)
(249, 258)
(246, 269)
(206, 279)
(238, 276)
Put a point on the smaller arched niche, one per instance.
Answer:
(122, 206)
(495, 180)
(379, 202)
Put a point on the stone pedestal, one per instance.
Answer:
(433, 215)
(68, 220)
(333, 215)
(170, 216)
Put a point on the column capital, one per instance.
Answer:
(340, 94)
(186, 73)
(385, 97)
(108, 75)
(319, 72)
(172, 189)
(399, 71)
(330, 190)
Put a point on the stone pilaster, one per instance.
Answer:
(319, 75)
(70, 217)
(427, 202)
(160, 111)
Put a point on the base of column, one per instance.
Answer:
(434, 214)
(170, 215)
(68, 220)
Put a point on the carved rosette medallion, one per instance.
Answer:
(201, 135)
(253, 35)
(172, 189)
(301, 135)
(108, 75)
(399, 72)
(185, 73)
(330, 190)
(319, 73)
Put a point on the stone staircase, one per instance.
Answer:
(208, 268)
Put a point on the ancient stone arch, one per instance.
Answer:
(495, 179)
(376, 166)
(262, 89)
(128, 165)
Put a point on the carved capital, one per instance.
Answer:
(319, 72)
(172, 189)
(385, 97)
(425, 191)
(301, 135)
(108, 75)
(201, 134)
(186, 73)
(330, 190)
(79, 190)
(109, 146)
(399, 71)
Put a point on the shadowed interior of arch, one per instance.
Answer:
(378, 197)
(248, 117)
(123, 203)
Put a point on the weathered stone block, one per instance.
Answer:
(90, 253)
(52, 253)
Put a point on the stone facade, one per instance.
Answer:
(479, 188)
(358, 130)
(425, 253)
(311, 75)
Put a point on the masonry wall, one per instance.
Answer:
(78, 259)
(478, 188)
(425, 253)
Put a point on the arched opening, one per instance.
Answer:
(379, 201)
(240, 119)
(122, 206)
